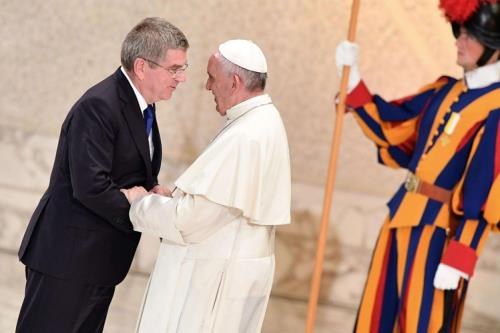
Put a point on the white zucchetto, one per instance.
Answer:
(244, 53)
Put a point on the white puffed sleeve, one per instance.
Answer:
(183, 219)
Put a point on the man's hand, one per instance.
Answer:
(134, 193)
(161, 190)
(448, 277)
(346, 54)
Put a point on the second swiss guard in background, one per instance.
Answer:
(448, 137)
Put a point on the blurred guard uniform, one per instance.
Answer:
(448, 137)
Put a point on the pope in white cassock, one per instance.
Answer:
(215, 266)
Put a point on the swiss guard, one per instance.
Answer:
(447, 136)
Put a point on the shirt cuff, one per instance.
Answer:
(460, 257)
(359, 96)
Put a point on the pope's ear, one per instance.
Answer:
(237, 82)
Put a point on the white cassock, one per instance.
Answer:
(215, 266)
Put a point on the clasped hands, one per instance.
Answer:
(138, 192)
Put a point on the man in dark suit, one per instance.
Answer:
(79, 243)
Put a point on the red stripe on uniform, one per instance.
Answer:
(402, 314)
(469, 135)
(379, 299)
(409, 145)
(461, 257)
(359, 96)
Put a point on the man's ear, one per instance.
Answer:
(139, 68)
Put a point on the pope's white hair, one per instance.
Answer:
(253, 80)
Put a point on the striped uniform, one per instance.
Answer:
(419, 233)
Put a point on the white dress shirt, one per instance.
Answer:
(143, 105)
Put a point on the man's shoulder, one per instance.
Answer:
(104, 92)
(102, 98)
(108, 87)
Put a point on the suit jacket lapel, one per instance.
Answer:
(135, 121)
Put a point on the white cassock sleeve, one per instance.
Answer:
(183, 219)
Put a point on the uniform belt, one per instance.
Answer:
(417, 185)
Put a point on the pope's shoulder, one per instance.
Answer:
(264, 120)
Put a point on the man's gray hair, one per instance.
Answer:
(252, 80)
(150, 39)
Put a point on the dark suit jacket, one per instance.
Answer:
(81, 230)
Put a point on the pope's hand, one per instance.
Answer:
(161, 190)
(346, 54)
(448, 277)
(134, 193)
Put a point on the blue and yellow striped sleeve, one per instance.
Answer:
(477, 198)
(392, 126)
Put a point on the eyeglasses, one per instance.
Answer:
(173, 71)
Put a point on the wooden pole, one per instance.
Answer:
(332, 170)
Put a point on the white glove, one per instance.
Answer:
(346, 54)
(448, 277)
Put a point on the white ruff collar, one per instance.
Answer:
(483, 76)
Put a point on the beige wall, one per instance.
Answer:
(55, 49)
